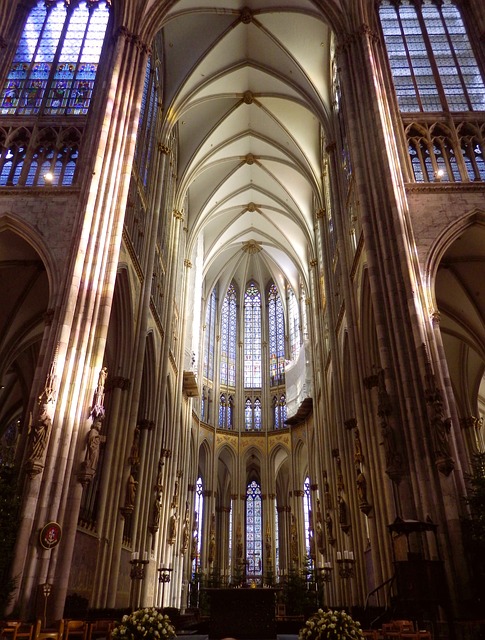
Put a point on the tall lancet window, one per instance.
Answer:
(146, 125)
(197, 526)
(276, 332)
(252, 337)
(307, 519)
(209, 336)
(279, 411)
(254, 537)
(432, 62)
(52, 74)
(54, 68)
(227, 376)
(293, 323)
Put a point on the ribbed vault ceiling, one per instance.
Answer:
(249, 90)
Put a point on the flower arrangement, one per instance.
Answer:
(148, 623)
(330, 625)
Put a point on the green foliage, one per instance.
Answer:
(474, 525)
(9, 517)
(476, 500)
(298, 597)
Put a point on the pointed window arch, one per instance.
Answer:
(228, 338)
(294, 323)
(210, 333)
(279, 411)
(55, 65)
(252, 337)
(197, 526)
(276, 331)
(254, 536)
(148, 113)
(309, 544)
(431, 59)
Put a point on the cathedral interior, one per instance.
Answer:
(242, 334)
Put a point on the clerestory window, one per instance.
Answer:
(432, 62)
(55, 65)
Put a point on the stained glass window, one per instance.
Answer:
(276, 327)
(277, 539)
(197, 526)
(146, 125)
(222, 410)
(294, 323)
(226, 411)
(279, 411)
(254, 537)
(425, 36)
(228, 338)
(252, 414)
(252, 336)
(306, 518)
(210, 332)
(54, 68)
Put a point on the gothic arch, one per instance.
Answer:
(25, 322)
(458, 292)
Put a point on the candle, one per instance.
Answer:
(339, 555)
(351, 555)
(145, 555)
(346, 555)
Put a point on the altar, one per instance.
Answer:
(242, 613)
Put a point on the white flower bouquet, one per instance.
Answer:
(148, 623)
(330, 625)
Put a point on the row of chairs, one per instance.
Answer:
(63, 630)
(398, 630)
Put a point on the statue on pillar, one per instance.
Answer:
(186, 530)
(40, 425)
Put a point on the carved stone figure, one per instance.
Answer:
(155, 520)
(130, 492)
(212, 540)
(40, 434)
(172, 531)
(93, 445)
(186, 530)
(329, 527)
(135, 448)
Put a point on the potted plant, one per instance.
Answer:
(330, 625)
(147, 623)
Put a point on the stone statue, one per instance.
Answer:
(130, 492)
(155, 523)
(212, 540)
(361, 487)
(93, 444)
(342, 511)
(186, 530)
(358, 453)
(172, 531)
(40, 434)
(134, 457)
(326, 493)
(329, 528)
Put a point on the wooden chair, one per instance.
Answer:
(17, 630)
(99, 630)
(56, 633)
(395, 628)
(418, 634)
(75, 630)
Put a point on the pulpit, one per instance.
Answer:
(242, 613)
